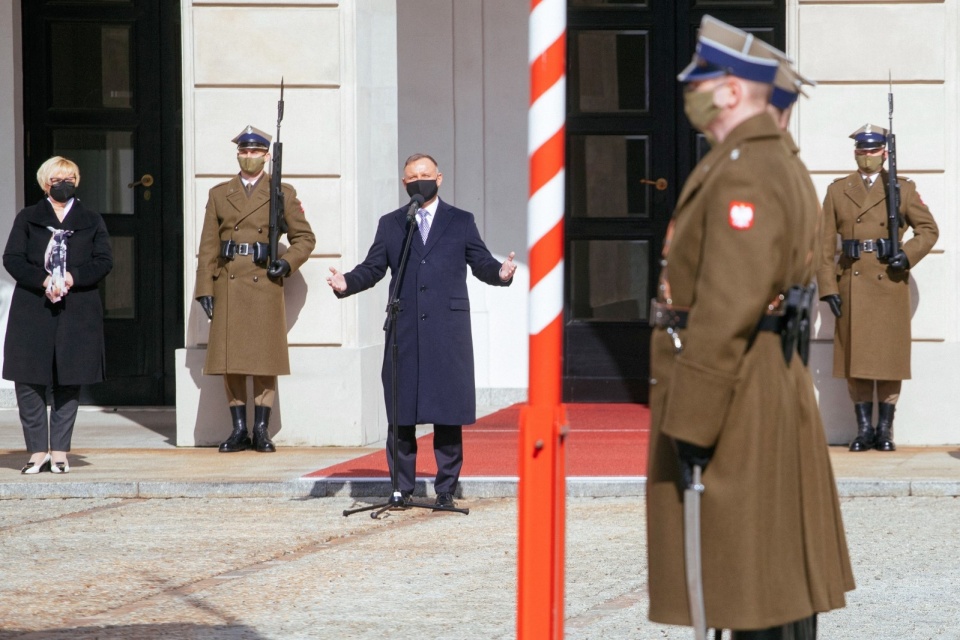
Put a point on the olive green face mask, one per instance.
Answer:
(870, 164)
(700, 109)
(251, 165)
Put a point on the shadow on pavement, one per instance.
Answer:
(169, 631)
(163, 423)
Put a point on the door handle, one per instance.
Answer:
(147, 181)
(659, 183)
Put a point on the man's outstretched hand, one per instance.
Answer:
(508, 268)
(336, 280)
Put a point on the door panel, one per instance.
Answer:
(629, 149)
(102, 92)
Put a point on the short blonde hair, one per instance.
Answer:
(53, 166)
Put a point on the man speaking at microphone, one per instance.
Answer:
(435, 370)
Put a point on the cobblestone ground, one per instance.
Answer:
(256, 569)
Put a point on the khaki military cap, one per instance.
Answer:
(724, 49)
(252, 137)
(869, 136)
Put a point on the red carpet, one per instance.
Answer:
(604, 440)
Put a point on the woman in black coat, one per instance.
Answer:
(57, 252)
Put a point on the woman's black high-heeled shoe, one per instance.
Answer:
(33, 467)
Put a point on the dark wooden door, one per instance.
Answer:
(629, 149)
(101, 87)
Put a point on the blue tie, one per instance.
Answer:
(424, 225)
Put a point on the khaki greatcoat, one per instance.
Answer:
(248, 334)
(872, 336)
(773, 544)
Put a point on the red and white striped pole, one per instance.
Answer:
(542, 487)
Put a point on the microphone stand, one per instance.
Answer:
(396, 500)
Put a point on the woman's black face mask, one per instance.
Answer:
(62, 191)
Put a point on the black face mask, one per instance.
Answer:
(426, 188)
(62, 191)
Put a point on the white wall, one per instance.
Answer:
(463, 95)
(11, 161)
(338, 60)
(849, 48)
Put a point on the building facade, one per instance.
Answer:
(367, 83)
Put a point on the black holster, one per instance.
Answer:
(794, 324)
(884, 249)
(851, 249)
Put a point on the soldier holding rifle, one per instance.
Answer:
(240, 287)
(868, 287)
(732, 405)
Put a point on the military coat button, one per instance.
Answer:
(423, 316)
(259, 229)
(256, 278)
(879, 276)
(232, 276)
(856, 273)
(236, 228)
(423, 288)
(653, 381)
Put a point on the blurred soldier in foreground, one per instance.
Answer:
(242, 292)
(730, 392)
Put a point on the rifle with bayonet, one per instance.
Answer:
(277, 223)
(893, 186)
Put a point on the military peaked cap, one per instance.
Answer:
(251, 137)
(788, 82)
(869, 136)
(723, 49)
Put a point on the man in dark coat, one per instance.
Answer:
(870, 295)
(435, 362)
(726, 394)
(242, 294)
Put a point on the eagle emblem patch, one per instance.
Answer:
(741, 215)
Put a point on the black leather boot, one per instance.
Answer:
(804, 629)
(261, 439)
(865, 434)
(238, 440)
(885, 428)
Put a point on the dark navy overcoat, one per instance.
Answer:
(69, 332)
(435, 363)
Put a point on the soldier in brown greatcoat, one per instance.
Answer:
(870, 295)
(726, 394)
(242, 294)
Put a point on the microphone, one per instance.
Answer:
(416, 201)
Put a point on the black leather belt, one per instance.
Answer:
(771, 323)
(258, 251)
(664, 316)
(853, 248)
